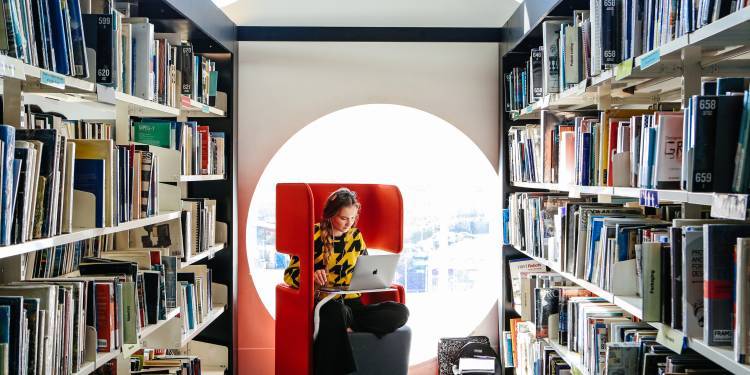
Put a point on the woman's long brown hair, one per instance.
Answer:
(340, 198)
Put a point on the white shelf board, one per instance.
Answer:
(151, 328)
(582, 283)
(82, 234)
(201, 177)
(571, 358)
(542, 186)
(103, 358)
(675, 196)
(206, 254)
(136, 106)
(34, 74)
(192, 108)
(721, 355)
(86, 368)
(631, 304)
(727, 31)
(216, 311)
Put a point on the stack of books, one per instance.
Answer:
(683, 273)
(642, 148)
(100, 41)
(202, 150)
(44, 174)
(595, 39)
(149, 361)
(136, 60)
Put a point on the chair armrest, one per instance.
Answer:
(398, 295)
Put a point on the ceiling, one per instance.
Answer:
(373, 13)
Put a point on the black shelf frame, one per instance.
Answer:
(213, 35)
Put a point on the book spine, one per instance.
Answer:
(728, 115)
(718, 284)
(741, 348)
(651, 257)
(610, 42)
(105, 332)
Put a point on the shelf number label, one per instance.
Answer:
(649, 198)
(205, 109)
(54, 80)
(671, 338)
(623, 69)
(650, 59)
(729, 206)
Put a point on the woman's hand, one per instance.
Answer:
(320, 277)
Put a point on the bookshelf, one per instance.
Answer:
(723, 356)
(670, 73)
(211, 35)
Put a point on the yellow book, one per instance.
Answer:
(99, 149)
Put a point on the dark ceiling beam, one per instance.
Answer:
(368, 34)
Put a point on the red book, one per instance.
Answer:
(105, 317)
(611, 148)
(205, 137)
(155, 256)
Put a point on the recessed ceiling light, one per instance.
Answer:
(223, 3)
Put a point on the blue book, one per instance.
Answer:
(650, 156)
(8, 136)
(15, 332)
(80, 64)
(4, 324)
(191, 317)
(596, 229)
(59, 39)
(89, 177)
(14, 189)
(586, 159)
(730, 84)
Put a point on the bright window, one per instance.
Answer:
(450, 263)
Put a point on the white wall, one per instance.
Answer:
(285, 86)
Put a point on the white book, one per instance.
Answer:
(692, 281)
(551, 59)
(742, 311)
(572, 44)
(517, 269)
(668, 163)
(651, 258)
(142, 70)
(595, 7)
(67, 207)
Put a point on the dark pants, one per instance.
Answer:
(333, 352)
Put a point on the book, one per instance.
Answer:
(99, 30)
(718, 284)
(728, 116)
(692, 278)
(157, 133)
(16, 332)
(668, 162)
(105, 324)
(8, 137)
(90, 177)
(742, 301)
(551, 66)
(702, 141)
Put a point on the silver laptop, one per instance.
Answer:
(371, 272)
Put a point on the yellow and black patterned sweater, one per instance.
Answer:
(346, 249)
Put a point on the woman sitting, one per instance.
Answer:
(338, 244)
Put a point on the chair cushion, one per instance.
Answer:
(388, 355)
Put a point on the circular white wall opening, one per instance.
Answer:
(450, 263)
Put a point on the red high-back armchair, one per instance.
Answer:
(298, 207)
